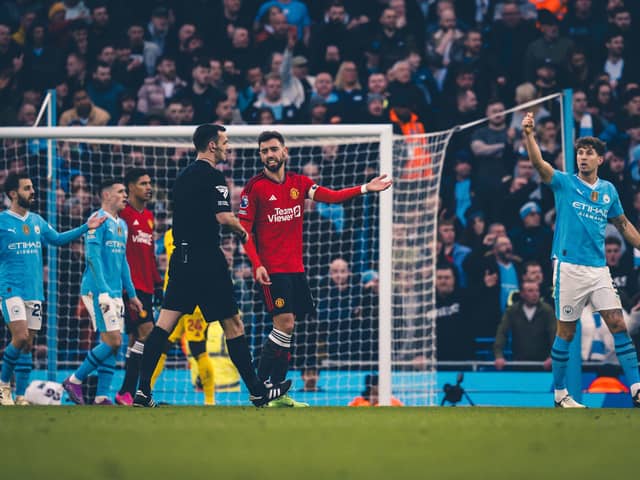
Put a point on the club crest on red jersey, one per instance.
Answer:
(294, 193)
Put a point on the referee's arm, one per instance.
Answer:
(231, 222)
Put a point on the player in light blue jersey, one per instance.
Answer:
(584, 205)
(105, 277)
(22, 234)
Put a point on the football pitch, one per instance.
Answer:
(227, 443)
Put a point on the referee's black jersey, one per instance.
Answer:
(199, 193)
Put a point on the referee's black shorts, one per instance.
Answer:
(203, 282)
(288, 293)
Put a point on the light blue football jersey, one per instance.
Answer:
(21, 240)
(582, 212)
(107, 270)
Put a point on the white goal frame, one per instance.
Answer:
(383, 132)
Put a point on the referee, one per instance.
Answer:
(198, 272)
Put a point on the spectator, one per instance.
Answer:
(127, 113)
(584, 26)
(508, 38)
(458, 193)
(11, 54)
(392, 43)
(158, 28)
(492, 147)
(339, 313)
(402, 86)
(452, 253)
(283, 108)
(76, 68)
(526, 92)
(143, 51)
(624, 276)
(532, 326)
(204, 96)
(523, 187)
(440, 43)
(128, 69)
(619, 68)
(103, 91)
(333, 29)
(350, 93)
(174, 112)
(533, 240)
(102, 31)
(453, 328)
(41, 60)
(551, 48)
(297, 15)
(296, 85)
(84, 112)
(550, 143)
(153, 95)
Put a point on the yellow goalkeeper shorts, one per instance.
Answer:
(192, 326)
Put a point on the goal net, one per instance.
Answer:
(369, 261)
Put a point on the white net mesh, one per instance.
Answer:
(334, 351)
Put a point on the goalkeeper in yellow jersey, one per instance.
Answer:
(192, 331)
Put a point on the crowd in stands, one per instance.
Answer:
(422, 65)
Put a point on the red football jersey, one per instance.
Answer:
(141, 248)
(277, 211)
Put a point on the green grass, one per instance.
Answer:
(317, 443)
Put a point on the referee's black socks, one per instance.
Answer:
(241, 357)
(153, 348)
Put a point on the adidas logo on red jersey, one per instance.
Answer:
(272, 198)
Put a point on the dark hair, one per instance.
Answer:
(611, 240)
(101, 65)
(108, 183)
(598, 145)
(269, 135)
(612, 33)
(530, 263)
(12, 182)
(206, 133)
(133, 175)
(446, 266)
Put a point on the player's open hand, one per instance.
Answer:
(262, 276)
(136, 305)
(95, 221)
(528, 124)
(379, 184)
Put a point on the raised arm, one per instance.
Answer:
(327, 195)
(544, 169)
(628, 231)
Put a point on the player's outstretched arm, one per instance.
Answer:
(53, 237)
(327, 195)
(544, 169)
(628, 231)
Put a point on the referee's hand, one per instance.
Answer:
(262, 276)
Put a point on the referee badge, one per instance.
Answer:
(294, 193)
(279, 302)
(594, 196)
(25, 229)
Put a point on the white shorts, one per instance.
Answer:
(575, 285)
(112, 320)
(15, 309)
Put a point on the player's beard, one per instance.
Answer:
(274, 168)
(25, 202)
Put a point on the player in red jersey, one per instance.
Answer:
(144, 273)
(271, 210)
